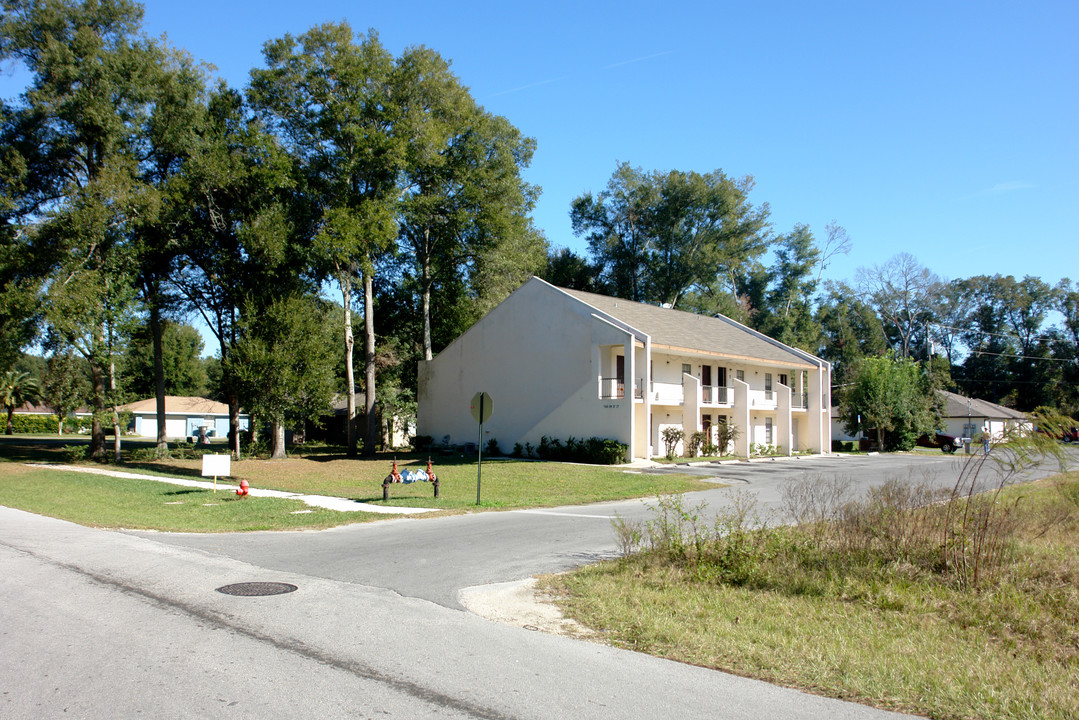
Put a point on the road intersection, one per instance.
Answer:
(107, 624)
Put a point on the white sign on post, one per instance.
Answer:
(216, 465)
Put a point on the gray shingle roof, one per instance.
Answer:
(956, 406)
(678, 329)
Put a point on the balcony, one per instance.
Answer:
(762, 399)
(799, 401)
(715, 395)
(615, 389)
(667, 393)
(675, 394)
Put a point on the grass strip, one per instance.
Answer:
(863, 628)
(111, 502)
(507, 484)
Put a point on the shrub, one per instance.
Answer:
(492, 447)
(550, 449)
(518, 450)
(75, 453)
(35, 424)
(420, 443)
(597, 451)
(671, 437)
(696, 440)
(726, 434)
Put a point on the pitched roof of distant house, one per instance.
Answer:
(34, 409)
(179, 406)
(957, 406)
(339, 402)
(680, 330)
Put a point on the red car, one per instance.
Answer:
(1068, 435)
(947, 443)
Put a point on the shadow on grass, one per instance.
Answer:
(165, 468)
(331, 453)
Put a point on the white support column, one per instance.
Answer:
(740, 418)
(691, 405)
(644, 428)
(815, 412)
(783, 419)
(630, 395)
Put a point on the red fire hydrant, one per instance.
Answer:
(242, 490)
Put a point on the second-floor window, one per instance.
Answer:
(767, 386)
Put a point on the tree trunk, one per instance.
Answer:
(350, 380)
(115, 415)
(97, 432)
(234, 425)
(277, 440)
(370, 422)
(425, 291)
(159, 377)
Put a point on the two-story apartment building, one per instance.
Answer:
(565, 363)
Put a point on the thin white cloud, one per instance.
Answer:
(640, 59)
(1001, 189)
(526, 87)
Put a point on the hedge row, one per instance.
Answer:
(594, 450)
(46, 424)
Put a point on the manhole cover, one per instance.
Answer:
(255, 589)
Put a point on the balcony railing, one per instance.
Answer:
(615, 388)
(611, 388)
(800, 401)
(714, 395)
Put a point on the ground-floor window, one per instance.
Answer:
(767, 431)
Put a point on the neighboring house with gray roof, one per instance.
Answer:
(970, 417)
(565, 363)
(960, 417)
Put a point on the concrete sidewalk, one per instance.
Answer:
(322, 501)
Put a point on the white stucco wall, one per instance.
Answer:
(534, 354)
(541, 353)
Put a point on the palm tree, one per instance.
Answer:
(17, 388)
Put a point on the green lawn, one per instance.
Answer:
(106, 501)
(118, 502)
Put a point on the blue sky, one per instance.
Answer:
(947, 130)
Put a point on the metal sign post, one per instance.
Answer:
(481, 408)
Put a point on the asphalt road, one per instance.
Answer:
(103, 624)
(434, 558)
